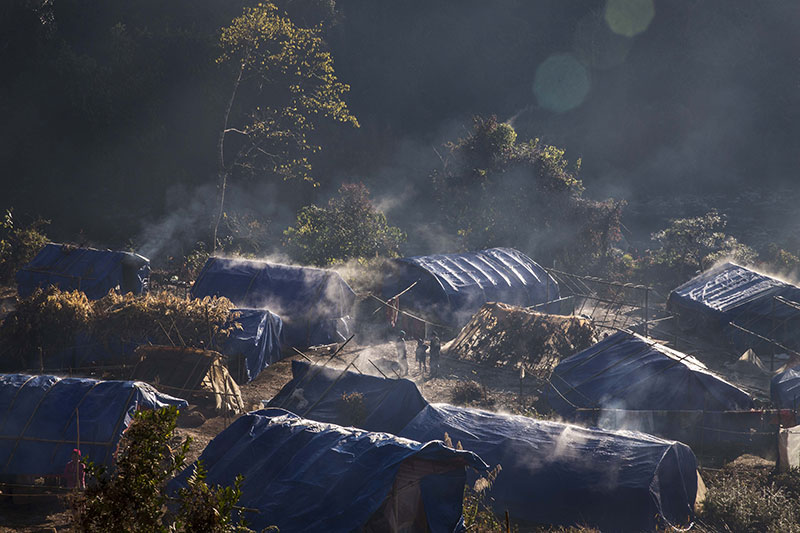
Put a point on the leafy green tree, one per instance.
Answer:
(493, 190)
(18, 244)
(133, 497)
(288, 75)
(777, 259)
(689, 245)
(349, 227)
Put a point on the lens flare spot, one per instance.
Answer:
(629, 17)
(561, 83)
(596, 46)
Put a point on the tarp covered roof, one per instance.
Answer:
(309, 476)
(784, 388)
(94, 272)
(456, 285)
(258, 342)
(316, 392)
(732, 293)
(628, 371)
(40, 416)
(561, 474)
(311, 301)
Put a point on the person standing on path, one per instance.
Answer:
(420, 356)
(436, 351)
(402, 356)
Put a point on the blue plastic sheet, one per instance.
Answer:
(731, 293)
(94, 272)
(308, 476)
(784, 389)
(258, 342)
(316, 393)
(313, 303)
(454, 286)
(40, 417)
(561, 474)
(627, 371)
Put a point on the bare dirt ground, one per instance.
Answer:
(42, 514)
(499, 388)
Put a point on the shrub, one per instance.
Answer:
(133, 497)
(689, 245)
(353, 409)
(18, 244)
(349, 227)
(47, 320)
(762, 503)
(466, 392)
(778, 259)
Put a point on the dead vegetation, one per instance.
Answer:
(751, 497)
(501, 335)
(467, 392)
(51, 320)
(353, 408)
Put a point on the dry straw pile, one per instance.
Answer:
(51, 320)
(501, 335)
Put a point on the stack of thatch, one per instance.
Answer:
(501, 335)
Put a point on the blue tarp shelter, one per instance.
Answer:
(452, 287)
(95, 272)
(784, 389)
(732, 293)
(317, 393)
(309, 476)
(313, 303)
(630, 372)
(257, 344)
(560, 474)
(40, 416)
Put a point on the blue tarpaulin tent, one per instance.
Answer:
(40, 417)
(258, 343)
(784, 389)
(317, 393)
(95, 272)
(313, 303)
(731, 293)
(628, 371)
(308, 476)
(452, 287)
(553, 473)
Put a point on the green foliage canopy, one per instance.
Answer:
(493, 190)
(290, 73)
(133, 498)
(18, 244)
(349, 227)
(688, 245)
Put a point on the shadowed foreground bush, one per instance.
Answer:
(133, 497)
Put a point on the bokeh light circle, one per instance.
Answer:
(561, 83)
(596, 46)
(629, 17)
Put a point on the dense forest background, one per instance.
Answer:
(112, 112)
